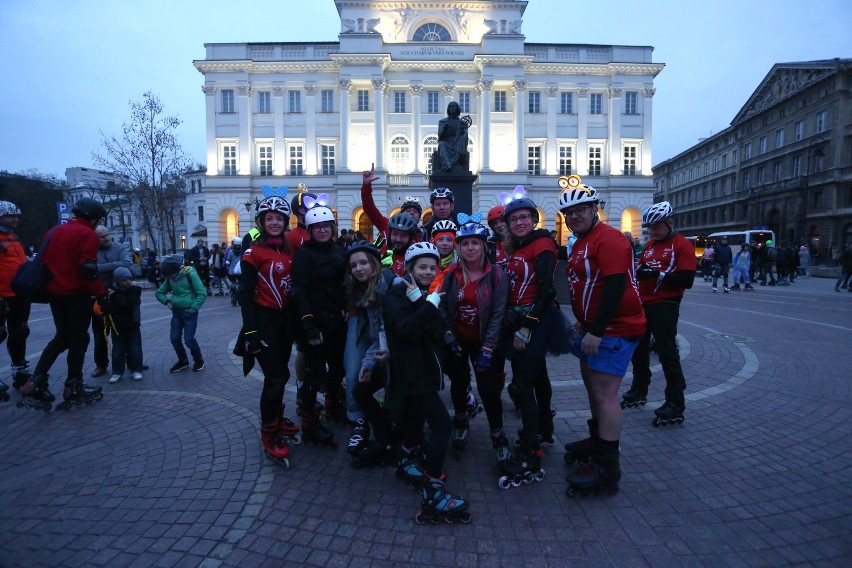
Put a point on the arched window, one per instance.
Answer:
(430, 145)
(431, 32)
(399, 156)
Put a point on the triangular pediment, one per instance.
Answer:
(785, 80)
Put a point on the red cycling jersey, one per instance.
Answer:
(520, 268)
(274, 277)
(666, 256)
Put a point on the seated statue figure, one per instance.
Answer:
(452, 138)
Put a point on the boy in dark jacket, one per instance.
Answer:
(122, 312)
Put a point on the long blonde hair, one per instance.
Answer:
(483, 262)
(351, 286)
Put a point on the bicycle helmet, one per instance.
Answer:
(441, 193)
(443, 226)
(495, 213)
(273, 203)
(402, 222)
(8, 208)
(579, 195)
(362, 246)
(89, 208)
(296, 202)
(657, 213)
(318, 214)
(417, 250)
(517, 205)
(236, 241)
(409, 201)
(471, 230)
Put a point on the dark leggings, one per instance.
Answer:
(532, 387)
(71, 316)
(415, 411)
(489, 383)
(375, 414)
(662, 323)
(323, 366)
(17, 327)
(276, 330)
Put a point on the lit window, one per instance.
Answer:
(264, 102)
(430, 146)
(595, 153)
(566, 162)
(297, 166)
(264, 157)
(534, 160)
(327, 156)
(228, 100)
(399, 155)
(229, 160)
(431, 32)
(630, 160)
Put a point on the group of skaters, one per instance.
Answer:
(754, 262)
(378, 326)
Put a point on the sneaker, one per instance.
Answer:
(726, 289)
(714, 289)
(179, 366)
(115, 378)
(198, 365)
(137, 376)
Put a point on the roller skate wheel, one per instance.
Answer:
(539, 476)
(465, 517)
(504, 482)
(571, 491)
(296, 440)
(517, 442)
(656, 422)
(623, 404)
(420, 518)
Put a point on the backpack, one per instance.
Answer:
(772, 254)
(31, 279)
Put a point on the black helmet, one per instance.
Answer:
(89, 208)
(362, 246)
(517, 204)
(402, 222)
(296, 202)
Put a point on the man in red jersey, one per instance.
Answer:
(605, 301)
(667, 269)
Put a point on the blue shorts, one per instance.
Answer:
(613, 356)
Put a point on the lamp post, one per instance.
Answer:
(819, 140)
(251, 202)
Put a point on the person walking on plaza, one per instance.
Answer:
(199, 259)
(183, 293)
(415, 335)
(14, 311)
(667, 269)
(723, 255)
(111, 255)
(742, 266)
(217, 267)
(475, 295)
(605, 301)
(319, 300)
(71, 256)
(122, 314)
(268, 322)
(804, 261)
(768, 258)
(232, 262)
(845, 270)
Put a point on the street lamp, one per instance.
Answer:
(251, 202)
(819, 140)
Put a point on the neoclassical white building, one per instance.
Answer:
(319, 113)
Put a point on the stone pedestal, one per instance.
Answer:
(459, 180)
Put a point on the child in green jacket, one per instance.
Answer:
(182, 292)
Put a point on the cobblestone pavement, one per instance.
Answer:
(169, 471)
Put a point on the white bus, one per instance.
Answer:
(750, 236)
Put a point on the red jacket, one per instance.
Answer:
(11, 257)
(71, 246)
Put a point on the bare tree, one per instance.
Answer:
(148, 153)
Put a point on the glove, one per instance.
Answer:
(484, 360)
(252, 339)
(644, 272)
(413, 294)
(311, 329)
(452, 344)
(434, 298)
(387, 260)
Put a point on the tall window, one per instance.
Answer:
(822, 121)
(327, 100)
(200, 214)
(264, 102)
(778, 172)
(227, 100)
(295, 101)
(596, 103)
(499, 101)
(595, 153)
(797, 166)
(297, 160)
(399, 101)
(630, 160)
(327, 157)
(534, 160)
(464, 101)
(800, 130)
(534, 102)
(229, 160)
(432, 102)
(399, 155)
(430, 145)
(264, 159)
(566, 160)
(631, 102)
(566, 103)
(724, 160)
(763, 144)
(363, 99)
(761, 175)
(779, 138)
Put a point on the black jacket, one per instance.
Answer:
(124, 307)
(415, 332)
(318, 287)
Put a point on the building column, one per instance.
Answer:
(379, 93)
(485, 86)
(550, 158)
(518, 87)
(616, 162)
(345, 87)
(279, 148)
(416, 92)
(449, 92)
(213, 165)
(245, 146)
(647, 131)
(582, 132)
(311, 167)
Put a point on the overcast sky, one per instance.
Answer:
(70, 67)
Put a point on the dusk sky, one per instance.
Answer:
(70, 68)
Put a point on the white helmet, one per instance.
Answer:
(657, 213)
(417, 250)
(8, 208)
(444, 225)
(273, 203)
(318, 214)
(236, 241)
(571, 196)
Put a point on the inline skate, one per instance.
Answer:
(288, 429)
(359, 437)
(669, 413)
(36, 394)
(582, 450)
(501, 449)
(545, 431)
(335, 407)
(473, 405)
(440, 506)
(524, 469)
(601, 473)
(461, 429)
(76, 393)
(634, 397)
(313, 432)
(274, 444)
(410, 467)
(374, 454)
(20, 375)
